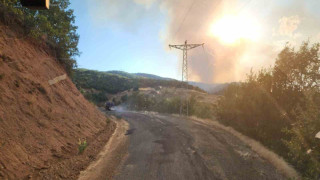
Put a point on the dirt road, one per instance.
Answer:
(170, 147)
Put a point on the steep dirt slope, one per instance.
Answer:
(40, 124)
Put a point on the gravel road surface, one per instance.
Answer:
(171, 147)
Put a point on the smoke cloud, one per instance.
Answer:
(287, 25)
(217, 62)
(279, 22)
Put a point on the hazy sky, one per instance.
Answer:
(133, 35)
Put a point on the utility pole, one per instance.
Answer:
(185, 47)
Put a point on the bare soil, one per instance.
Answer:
(40, 124)
(110, 158)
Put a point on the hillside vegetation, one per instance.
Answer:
(97, 85)
(168, 100)
(213, 88)
(280, 107)
(55, 28)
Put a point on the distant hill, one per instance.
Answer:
(138, 75)
(151, 76)
(210, 88)
(120, 73)
(96, 85)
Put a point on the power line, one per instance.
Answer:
(184, 18)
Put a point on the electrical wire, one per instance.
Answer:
(184, 18)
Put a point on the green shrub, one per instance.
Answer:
(303, 147)
(82, 146)
(107, 121)
(95, 97)
(82, 91)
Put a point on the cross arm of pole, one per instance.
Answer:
(185, 46)
(182, 47)
(191, 46)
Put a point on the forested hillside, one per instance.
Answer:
(95, 85)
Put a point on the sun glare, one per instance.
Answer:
(230, 29)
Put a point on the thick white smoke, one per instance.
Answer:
(280, 21)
